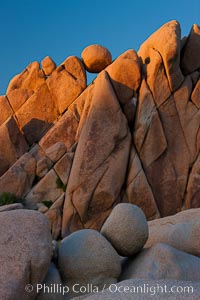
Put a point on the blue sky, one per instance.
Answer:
(33, 29)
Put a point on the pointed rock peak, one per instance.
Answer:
(166, 41)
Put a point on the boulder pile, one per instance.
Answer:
(89, 262)
(89, 165)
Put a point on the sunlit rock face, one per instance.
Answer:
(130, 136)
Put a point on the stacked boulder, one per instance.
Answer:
(74, 151)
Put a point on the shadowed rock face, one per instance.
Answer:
(131, 136)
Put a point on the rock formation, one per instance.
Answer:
(130, 136)
(103, 170)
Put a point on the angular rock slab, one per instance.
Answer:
(5, 109)
(137, 188)
(45, 190)
(25, 252)
(19, 178)
(18, 97)
(37, 114)
(13, 144)
(64, 88)
(102, 150)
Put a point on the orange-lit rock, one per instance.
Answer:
(5, 109)
(37, 114)
(166, 41)
(48, 65)
(125, 74)
(132, 135)
(18, 97)
(96, 58)
(31, 78)
(64, 88)
(75, 67)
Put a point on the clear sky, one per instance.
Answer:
(33, 29)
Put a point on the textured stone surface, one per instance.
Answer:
(25, 252)
(166, 125)
(63, 167)
(5, 108)
(45, 189)
(54, 214)
(162, 261)
(189, 115)
(91, 187)
(48, 65)
(63, 131)
(37, 114)
(75, 67)
(180, 231)
(125, 75)
(64, 88)
(18, 97)
(13, 144)
(19, 178)
(133, 133)
(137, 188)
(56, 151)
(126, 229)
(94, 260)
(31, 78)
(96, 58)
(166, 41)
(43, 166)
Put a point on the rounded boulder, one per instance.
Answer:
(126, 228)
(85, 257)
(96, 58)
